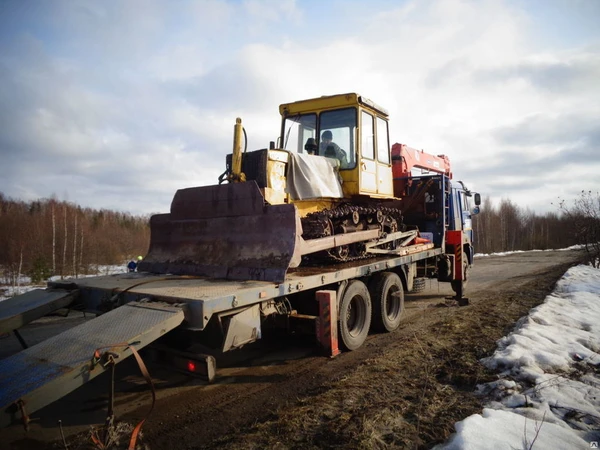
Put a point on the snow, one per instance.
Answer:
(502, 429)
(484, 255)
(548, 391)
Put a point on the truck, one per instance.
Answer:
(328, 226)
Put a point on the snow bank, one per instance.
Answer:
(501, 429)
(549, 386)
(572, 247)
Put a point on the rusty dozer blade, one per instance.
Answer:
(225, 231)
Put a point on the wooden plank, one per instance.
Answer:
(402, 251)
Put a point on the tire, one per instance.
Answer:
(419, 285)
(387, 295)
(354, 315)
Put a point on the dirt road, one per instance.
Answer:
(404, 389)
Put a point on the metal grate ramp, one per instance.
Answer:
(22, 309)
(48, 371)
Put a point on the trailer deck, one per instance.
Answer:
(206, 296)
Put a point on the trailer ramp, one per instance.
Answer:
(22, 309)
(42, 374)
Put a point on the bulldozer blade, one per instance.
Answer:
(224, 231)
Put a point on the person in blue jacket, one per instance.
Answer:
(132, 265)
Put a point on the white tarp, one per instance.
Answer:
(311, 176)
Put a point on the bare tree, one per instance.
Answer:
(483, 224)
(510, 225)
(53, 237)
(17, 277)
(75, 244)
(81, 248)
(64, 261)
(584, 217)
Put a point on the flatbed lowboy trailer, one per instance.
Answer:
(147, 306)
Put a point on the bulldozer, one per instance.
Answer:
(325, 191)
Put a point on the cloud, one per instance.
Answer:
(563, 73)
(139, 98)
(551, 129)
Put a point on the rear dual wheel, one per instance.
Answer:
(382, 304)
(387, 294)
(354, 315)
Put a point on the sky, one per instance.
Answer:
(117, 104)
(548, 390)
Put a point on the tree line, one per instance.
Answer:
(507, 227)
(48, 237)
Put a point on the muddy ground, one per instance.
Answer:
(404, 389)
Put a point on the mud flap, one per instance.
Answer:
(225, 231)
(454, 242)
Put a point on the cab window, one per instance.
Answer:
(383, 145)
(297, 130)
(339, 128)
(368, 142)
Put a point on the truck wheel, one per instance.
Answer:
(387, 294)
(355, 315)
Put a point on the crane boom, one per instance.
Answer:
(406, 158)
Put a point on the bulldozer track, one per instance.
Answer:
(348, 218)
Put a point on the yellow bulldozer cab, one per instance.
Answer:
(347, 127)
(349, 130)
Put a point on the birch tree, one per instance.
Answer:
(75, 244)
(64, 259)
(53, 237)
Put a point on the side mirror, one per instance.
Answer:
(475, 210)
(477, 200)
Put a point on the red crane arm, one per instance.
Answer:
(404, 158)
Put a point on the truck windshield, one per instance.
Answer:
(336, 138)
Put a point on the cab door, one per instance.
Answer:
(375, 165)
(385, 181)
(368, 164)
